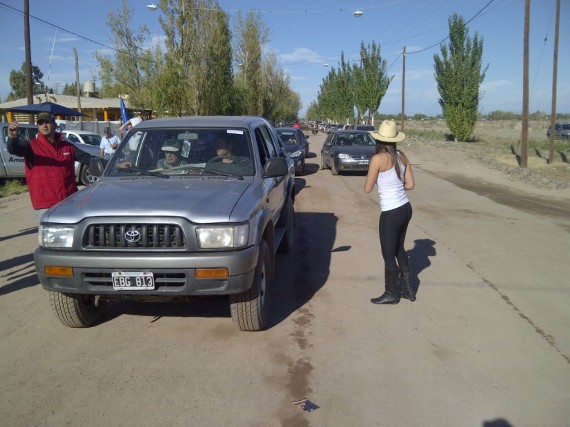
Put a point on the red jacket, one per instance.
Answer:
(50, 169)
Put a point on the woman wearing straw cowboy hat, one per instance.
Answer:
(390, 169)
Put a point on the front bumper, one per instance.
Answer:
(352, 165)
(174, 274)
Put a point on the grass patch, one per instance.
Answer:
(10, 187)
(428, 134)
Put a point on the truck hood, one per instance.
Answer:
(201, 200)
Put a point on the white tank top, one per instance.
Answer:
(391, 189)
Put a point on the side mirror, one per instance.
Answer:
(275, 167)
(96, 166)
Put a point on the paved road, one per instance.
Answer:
(488, 339)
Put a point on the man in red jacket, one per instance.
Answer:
(49, 162)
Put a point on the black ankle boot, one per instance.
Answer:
(408, 291)
(392, 288)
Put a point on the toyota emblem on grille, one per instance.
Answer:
(132, 236)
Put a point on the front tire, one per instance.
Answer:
(334, 170)
(85, 177)
(76, 311)
(250, 309)
(323, 163)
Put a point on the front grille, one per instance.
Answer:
(134, 236)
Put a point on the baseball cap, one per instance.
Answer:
(45, 117)
(172, 145)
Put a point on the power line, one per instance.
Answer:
(445, 38)
(60, 28)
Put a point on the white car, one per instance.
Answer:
(83, 137)
(89, 138)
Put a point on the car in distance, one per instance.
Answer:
(561, 130)
(299, 136)
(83, 137)
(347, 151)
(364, 127)
(293, 147)
(209, 224)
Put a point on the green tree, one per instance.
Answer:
(458, 73)
(198, 77)
(375, 80)
(251, 35)
(18, 82)
(69, 89)
(128, 72)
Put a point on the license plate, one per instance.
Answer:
(132, 281)
(363, 162)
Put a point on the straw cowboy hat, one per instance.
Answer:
(387, 132)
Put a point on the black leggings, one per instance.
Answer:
(392, 227)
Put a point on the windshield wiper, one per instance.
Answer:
(220, 173)
(135, 171)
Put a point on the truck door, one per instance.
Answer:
(276, 187)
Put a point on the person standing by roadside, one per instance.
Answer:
(391, 171)
(49, 161)
(109, 143)
(129, 124)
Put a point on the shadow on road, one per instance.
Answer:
(419, 258)
(300, 274)
(22, 274)
(21, 233)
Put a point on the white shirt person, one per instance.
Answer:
(109, 143)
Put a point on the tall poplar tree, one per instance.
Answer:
(459, 74)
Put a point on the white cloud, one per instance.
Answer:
(301, 54)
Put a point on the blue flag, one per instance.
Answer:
(124, 114)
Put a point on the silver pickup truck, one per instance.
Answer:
(12, 166)
(186, 207)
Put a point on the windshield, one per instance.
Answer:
(288, 137)
(362, 139)
(91, 139)
(184, 151)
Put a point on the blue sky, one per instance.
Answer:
(307, 35)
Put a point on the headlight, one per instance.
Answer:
(297, 153)
(343, 156)
(223, 237)
(56, 236)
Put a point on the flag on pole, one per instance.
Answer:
(124, 114)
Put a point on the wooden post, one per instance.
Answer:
(29, 81)
(78, 88)
(403, 89)
(524, 135)
(554, 84)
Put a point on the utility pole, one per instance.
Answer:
(403, 89)
(78, 88)
(524, 135)
(29, 82)
(554, 83)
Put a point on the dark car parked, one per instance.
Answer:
(347, 151)
(302, 139)
(293, 147)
